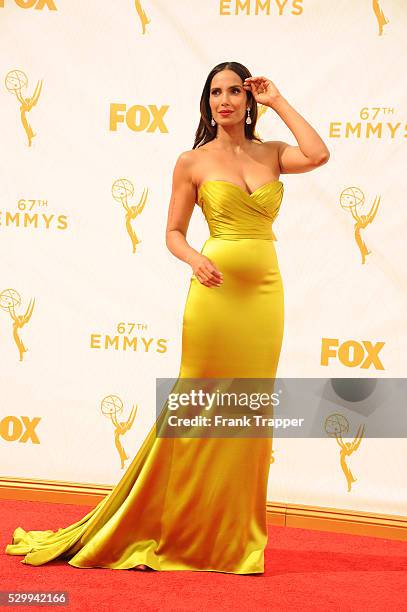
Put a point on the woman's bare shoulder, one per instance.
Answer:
(190, 155)
(191, 160)
(187, 166)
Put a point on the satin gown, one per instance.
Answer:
(197, 503)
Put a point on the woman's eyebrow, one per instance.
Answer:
(230, 86)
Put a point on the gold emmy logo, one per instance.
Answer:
(337, 425)
(380, 16)
(36, 4)
(122, 190)
(261, 110)
(142, 15)
(111, 406)
(15, 81)
(352, 200)
(9, 300)
(13, 429)
(352, 353)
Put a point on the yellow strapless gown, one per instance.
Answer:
(197, 503)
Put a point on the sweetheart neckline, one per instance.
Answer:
(249, 195)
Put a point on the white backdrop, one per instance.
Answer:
(64, 241)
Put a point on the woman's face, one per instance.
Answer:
(227, 93)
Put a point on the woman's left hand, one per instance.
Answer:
(263, 90)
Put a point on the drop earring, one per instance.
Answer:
(213, 122)
(248, 119)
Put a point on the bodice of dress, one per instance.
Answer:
(232, 213)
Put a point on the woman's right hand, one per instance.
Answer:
(205, 271)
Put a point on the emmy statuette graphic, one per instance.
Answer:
(16, 81)
(352, 199)
(9, 300)
(336, 425)
(111, 407)
(122, 190)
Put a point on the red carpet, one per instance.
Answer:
(304, 570)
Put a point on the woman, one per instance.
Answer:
(199, 503)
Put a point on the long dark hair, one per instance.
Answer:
(207, 132)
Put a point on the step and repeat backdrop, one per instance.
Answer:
(98, 99)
